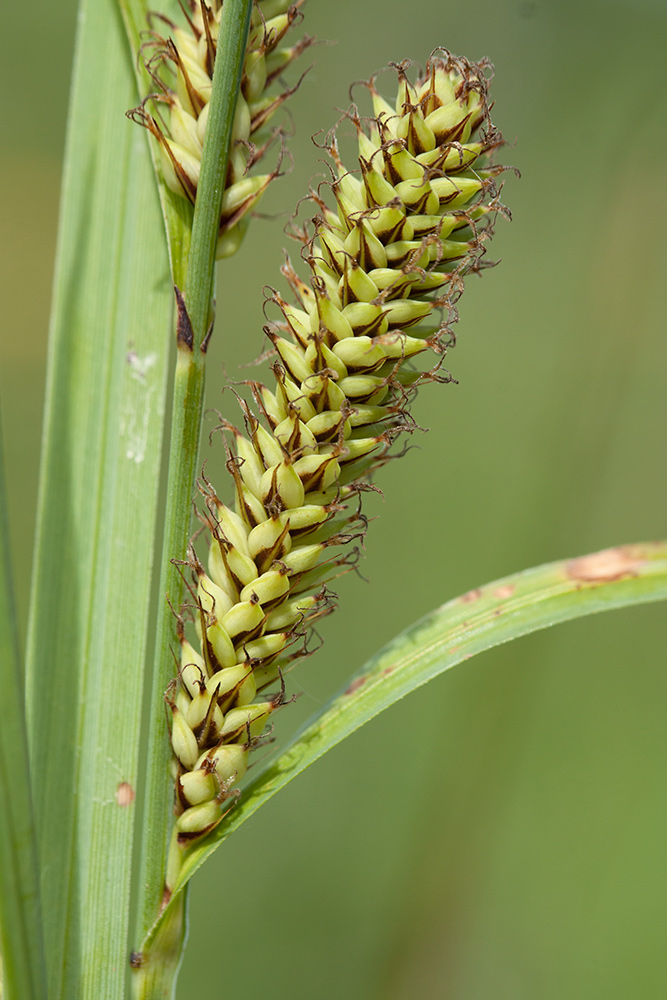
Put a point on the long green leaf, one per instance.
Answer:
(23, 974)
(109, 347)
(477, 621)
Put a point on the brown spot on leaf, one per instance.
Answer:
(504, 591)
(355, 685)
(124, 794)
(605, 566)
(472, 595)
(388, 670)
(184, 334)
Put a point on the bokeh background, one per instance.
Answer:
(500, 834)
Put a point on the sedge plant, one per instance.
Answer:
(366, 321)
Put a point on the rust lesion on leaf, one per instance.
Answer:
(125, 794)
(355, 685)
(606, 566)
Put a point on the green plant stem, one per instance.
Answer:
(23, 973)
(184, 448)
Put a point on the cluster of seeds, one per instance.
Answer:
(181, 67)
(386, 267)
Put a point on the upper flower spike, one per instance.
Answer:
(181, 67)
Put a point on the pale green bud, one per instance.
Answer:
(455, 191)
(292, 358)
(356, 286)
(293, 397)
(212, 599)
(281, 486)
(232, 684)
(364, 388)
(267, 647)
(244, 724)
(327, 426)
(244, 619)
(233, 527)
(229, 764)
(360, 352)
(417, 133)
(419, 197)
(221, 645)
(192, 668)
(317, 472)
(358, 447)
(306, 516)
(268, 541)
(199, 819)
(290, 613)
(218, 571)
(270, 586)
(399, 345)
(254, 73)
(241, 567)
(197, 787)
(183, 127)
(242, 196)
(302, 558)
(252, 469)
(319, 356)
(406, 312)
(183, 740)
(362, 415)
(294, 435)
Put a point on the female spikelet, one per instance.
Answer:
(181, 67)
(386, 266)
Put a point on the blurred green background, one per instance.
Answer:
(499, 835)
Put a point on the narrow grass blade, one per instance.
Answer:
(109, 347)
(23, 972)
(477, 621)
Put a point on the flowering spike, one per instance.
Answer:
(385, 273)
(181, 67)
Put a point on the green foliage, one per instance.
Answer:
(96, 523)
(111, 330)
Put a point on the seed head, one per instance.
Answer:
(387, 256)
(181, 67)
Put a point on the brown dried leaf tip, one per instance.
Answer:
(386, 267)
(181, 67)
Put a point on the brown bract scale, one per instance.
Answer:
(386, 255)
(180, 60)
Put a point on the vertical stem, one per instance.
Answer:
(195, 314)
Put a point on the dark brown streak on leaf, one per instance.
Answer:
(184, 334)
